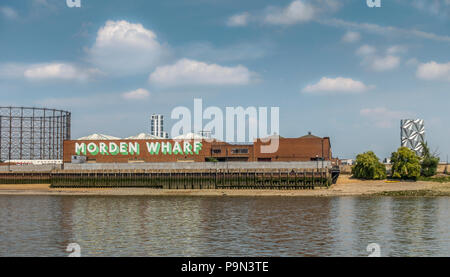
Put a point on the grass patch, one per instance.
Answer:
(438, 179)
(413, 193)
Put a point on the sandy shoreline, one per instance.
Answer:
(345, 187)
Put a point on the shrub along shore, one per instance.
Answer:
(405, 165)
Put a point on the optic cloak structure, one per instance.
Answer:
(412, 133)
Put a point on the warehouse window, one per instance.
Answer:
(264, 159)
(239, 151)
(317, 159)
(217, 151)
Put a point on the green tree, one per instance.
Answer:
(429, 162)
(368, 167)
(405, 164)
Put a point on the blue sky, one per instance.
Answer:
(336, 68)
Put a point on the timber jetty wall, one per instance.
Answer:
(288, 175)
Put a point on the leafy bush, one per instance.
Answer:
(429, 162)
(368, 166)
(405, 164)
(211, 160)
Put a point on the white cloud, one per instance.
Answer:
(45, 7)
(298, 11)
(434, 7)
(384, 30)
(138, 94)
(385, 63)
(366, 50)
(351, 37)
(383, 117)
(191, 72)
(124, 48)
(234, 52)
(412, 62)
(8, 12)
(379, 63)
(48, 71)
(54, 71)
(91, 101)
(397, 49)
(329, 5)
(434, 71)
(237, 20)
(41, 2)
(12, 70)
(337, 85)
(94, 101)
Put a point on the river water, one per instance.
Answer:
(223, 226)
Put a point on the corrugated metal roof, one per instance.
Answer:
(189, 136)
(98, 137)
(144, 136)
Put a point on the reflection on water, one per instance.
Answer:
(223, 226)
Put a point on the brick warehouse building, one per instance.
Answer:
(306, 148)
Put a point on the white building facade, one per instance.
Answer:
(157, 126)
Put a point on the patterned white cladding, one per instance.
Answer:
(413, 134)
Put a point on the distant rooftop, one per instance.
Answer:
(189, 136)
(98, 137)
(144, 136)
(309, 135)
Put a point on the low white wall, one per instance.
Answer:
(29, 168)
(187, 165)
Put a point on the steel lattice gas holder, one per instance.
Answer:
(33, 133)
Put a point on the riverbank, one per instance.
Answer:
(345, 187)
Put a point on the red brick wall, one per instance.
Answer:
(69, 150)
(290, 149)
(296, 149)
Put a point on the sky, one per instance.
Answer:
(335, 68)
